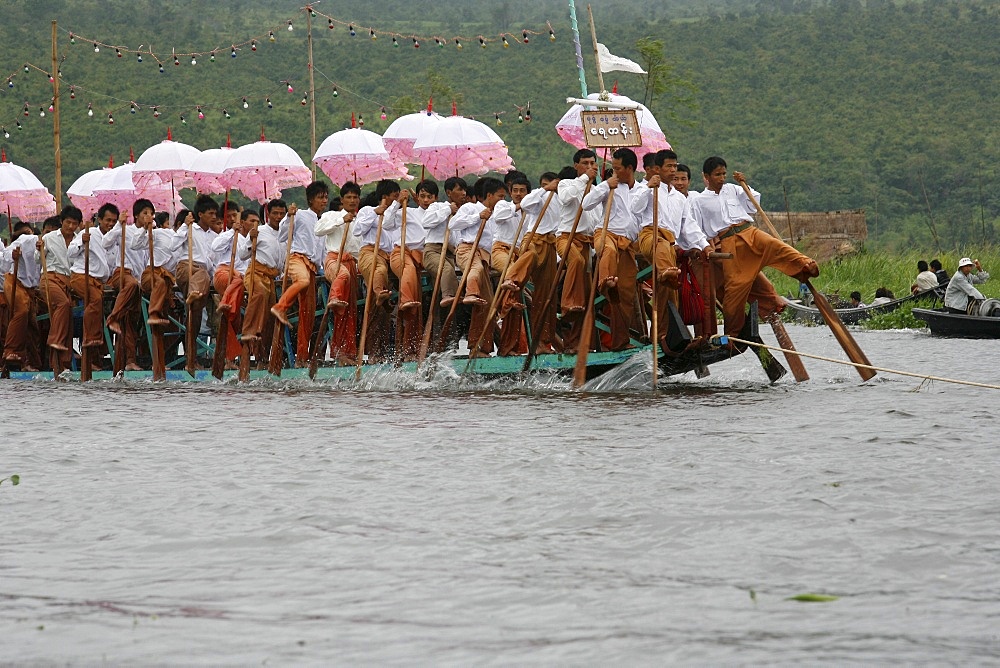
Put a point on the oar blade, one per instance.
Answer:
(840, 332)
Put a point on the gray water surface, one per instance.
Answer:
(292, 524)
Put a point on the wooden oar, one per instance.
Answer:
(369, 298)
(425, 341)
(276, 359)
(190, 336)
(844, 338)
(119, 365)
(785, 342)
(244, 372)
(85, 370)
(155, 331)
(550, 297)
(222, 340)
(654, 325)
(473, 257)
(580, 370)
(495, 302)
(4, 371)
(402, 272)
(318, 340)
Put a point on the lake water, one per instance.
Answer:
(511, 524)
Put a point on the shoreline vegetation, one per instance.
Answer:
(867, 271)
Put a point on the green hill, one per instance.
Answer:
(840, 104)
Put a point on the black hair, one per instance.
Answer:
(856, 295)
(684, 168)
(316, 188)
(25, 228)
(489, 185)
(648, 160)
(159, 218)
(385, 187)
(108, 207)
(138, 207)
(203, 204)
(276, 203)
(452, 182)
(70, 212)
(936, 264)
(921, 265)
(512, 176)
(663, 155)
(350, 187)
(551, 176)
(627, 157)
(370, 200)
(51, 223)
(179, 219)
(428, 186)
(713, 163)
(247, 213)
(519, 181)
(583, 153)
(567, 173)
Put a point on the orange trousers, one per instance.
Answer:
(302, 288)
(343, 286)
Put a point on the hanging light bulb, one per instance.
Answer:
(72, 38)
(138, 57)
(177, 61)
(290, 89)
(253, 45)
(382, 116)
(233, 52)
(25, 108)
(111, 119)
(312, 12)
(269, 105)
(194, 60)
(438, 42)
(6, 135)
(524, 36)
(305, 99)
(520, 117)
(270, 36)
(329, 24)
(290, 28)
(41, 112)
(156, 112)
(51, 79)
(246, 105)
(394, 42)
(161, 68)
(458, 44)
(90, 109)
(482, 42)
(351, 31)
(552, 35)
(134, 108)
(26, 68)
(18, 124)
(361, 121)
(497, 116)
(183, 120)
(527, 112)
(72, 93)
(226, 114)
(10, 83)
(52, 104)
(201, 114)
(416, 44)
(372, 33)
(118, 52)
(97, 49)
(505, 44)
(211, 58)
(335, 92)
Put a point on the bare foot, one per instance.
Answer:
(671, 277)
(280, 315)
(132, 366)
(114, 326)
(58, 346)
(510, 285)
(224, 308)
(154, 321)
(446, 302)
(382, 297)
(193, 296)
(609, 283)
(409, 306)
(473, 300)
(337, 305)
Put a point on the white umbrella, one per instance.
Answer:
(357, 155)
(262, 169)
(208, 170)
(117, 186)
(81, 193)
(166, 162)
(570, 127)
(456, 145)
(403, 132)
(22, 194)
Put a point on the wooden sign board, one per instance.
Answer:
(609, 128)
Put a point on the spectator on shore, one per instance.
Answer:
(941, 274)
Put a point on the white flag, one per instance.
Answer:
(612, 63)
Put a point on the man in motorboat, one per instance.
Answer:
(962, 296)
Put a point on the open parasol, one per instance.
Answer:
(403, 132)
(357, 155)
(22, 194)
(570, 127)
(262, 169)
(456, 146)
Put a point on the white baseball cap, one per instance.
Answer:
(965, 262)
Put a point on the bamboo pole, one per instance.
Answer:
(597, 57)
(55, 118)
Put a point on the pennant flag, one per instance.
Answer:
(612, 63)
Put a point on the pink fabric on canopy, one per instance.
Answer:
(23, 194)
(262, 169)
(570, 127)
(457, 146)
(357, 155)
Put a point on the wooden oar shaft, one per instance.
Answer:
(767, 221)
(473, 257)
(580, 370)
(654, 324)
(321, 332)
(425, 341)
(402, 273)
(275, 359)
(155, 342)
(369, 292)
(85, 361)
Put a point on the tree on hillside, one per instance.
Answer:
(661, 79)
(434, 86)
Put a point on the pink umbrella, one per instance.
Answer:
(167, 162)
(455, 146)
(208, 170)
(570, 127)
(403, 132)
(262, 169)
(117, 186)
(22, 194)
(357, 155)
(81, 193)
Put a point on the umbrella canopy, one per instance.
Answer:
(403, 132)
(456, 146)
(208, 170)
(357, 155)
(22, 194)
(262, 169)
(81, 193)
(570, 127)
(166, 162)
(115, 185)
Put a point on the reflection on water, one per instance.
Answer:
(446, 520)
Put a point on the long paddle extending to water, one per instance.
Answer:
(369, 297)
(473, 257)
(547, 304)
(85, 361)
(844, 338)
(653, 323)
(244, 372)
(317, 342)
(580, 370)
(155, 331)
(190, 336)
(276, 359)
(402, 272)
(425, 341)
(222, 340)
(119, 364)
(4, 371)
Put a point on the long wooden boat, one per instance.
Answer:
(490, 367)
(852, 316)
(958, 325)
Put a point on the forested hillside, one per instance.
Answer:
(889, 106)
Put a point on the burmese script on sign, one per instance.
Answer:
(610, 129)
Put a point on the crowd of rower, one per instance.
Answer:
(481, 246)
